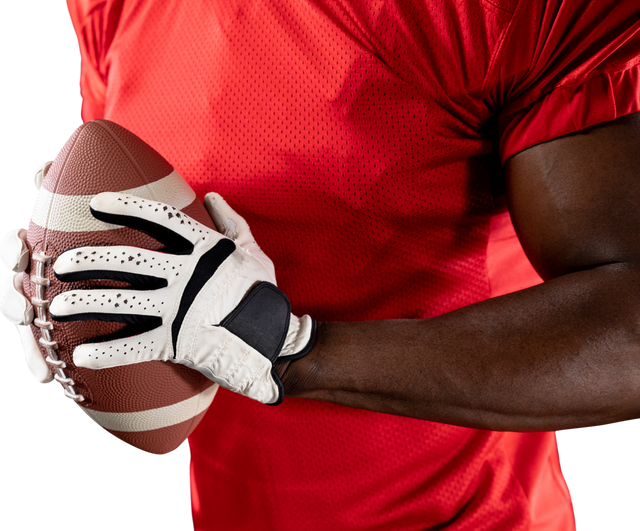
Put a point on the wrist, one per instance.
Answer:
(298, 376)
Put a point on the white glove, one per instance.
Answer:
(13, 304)
(208, 302)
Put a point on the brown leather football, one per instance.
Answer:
(153, 405)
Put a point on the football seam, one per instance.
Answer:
(47, 338)
(124, 149)
(55, 190)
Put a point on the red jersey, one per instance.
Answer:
(362, 141)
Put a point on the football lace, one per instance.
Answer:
(41, 304)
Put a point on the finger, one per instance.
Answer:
(234, 226)
(41, 174)
(33, 356)
(144, 269)
(148, 346)
(163, 222)
(143, 308)
(13, 304)
(14, 251)
(228, 221)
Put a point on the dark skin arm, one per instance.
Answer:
(563, 354)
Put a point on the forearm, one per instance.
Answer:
(559, 355)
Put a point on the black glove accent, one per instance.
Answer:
(207, 266)
(176, 244)
(261, 320)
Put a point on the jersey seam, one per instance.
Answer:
(499, 48)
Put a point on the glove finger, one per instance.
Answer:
(14, 251)
(163, 222)
(140, 267)
(41, 174)
(234, 226)
(227, 220)
(33, 356)
(13, 304)
(147, 346)
(143, 308)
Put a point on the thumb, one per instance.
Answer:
(14, 251)
(33, 356)
(13, 304)
(235, 227)
(228, 221)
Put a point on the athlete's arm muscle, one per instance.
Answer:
(559, 355)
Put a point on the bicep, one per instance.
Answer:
(575, 200)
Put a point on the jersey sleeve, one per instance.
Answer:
(95, 23)
(567, 65)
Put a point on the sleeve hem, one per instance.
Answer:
(568, 109)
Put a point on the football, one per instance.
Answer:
(153, 405)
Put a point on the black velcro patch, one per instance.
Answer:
(261, 320)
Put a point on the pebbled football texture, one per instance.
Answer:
(153, 405)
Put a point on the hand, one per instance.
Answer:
(208, 302)
(13, 304)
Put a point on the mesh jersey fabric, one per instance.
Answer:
(362, 142)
